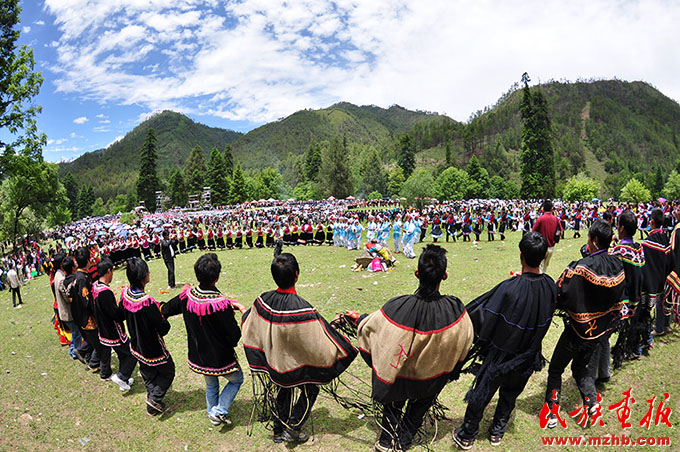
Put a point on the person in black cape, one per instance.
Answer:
(659, 263)
(289, 343)
(415, 344)
(510, 322)
(590, 291)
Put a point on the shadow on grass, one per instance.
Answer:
(342, 424)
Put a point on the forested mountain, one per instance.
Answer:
(114, 170)
(610, 130)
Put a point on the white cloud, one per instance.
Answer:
(263, 59)
(104, 121)
(115, 140)
(64, 149)
(39, 22)
(26, 29)
(101, 115)
(75, 135)
(80, 120)
(101, 129)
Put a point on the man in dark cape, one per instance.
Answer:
(510, 322)
(659, 263)
(286, 338)
(415, 344)
(590, 292)
(632, 325)
(672, 295)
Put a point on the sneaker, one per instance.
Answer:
(123, 385)
(495, 440)
(158, 406)
(602, 380)
(463, 443)
(219, 419)
(278, 438)
(105, 378)
(94, 368)
(130, 381)
(297, 436)
(552, 420)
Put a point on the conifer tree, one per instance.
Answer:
(449, 156)
(147, 182)
(228, 160)
(334, 174)
(406, 156)
(71, 187)
(85, 200)
(313, 161)
(538, 161)
(237, 191)
(217, 178)
(178, 190)
(194, 170)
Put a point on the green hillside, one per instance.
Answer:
(114, 170)
(611, 130)
(282, 143)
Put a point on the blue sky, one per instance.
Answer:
(109, 64)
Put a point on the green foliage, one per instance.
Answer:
(98, 208)
(501, 188)
(147, 182)
(671, 190)
(448, 154)
(228, 159)
(635, 192)
(313, 161)
(19, 84)
(194, 170)
(178, 190)
(334, 174)
(238, 192)
(373, 176)
(114, 170)
(85, 200)
(28, 195)
(375, 195)
(657, 184)
(270, 181)
(217, 178)
(71, 187)
(396, 181)
(478, 179)
(452, 184)
(117, 205)
(580, 188)
(538, 164)
(406, 155)
(128, 218)
(417, 187)
(308, 190)
(130, 201)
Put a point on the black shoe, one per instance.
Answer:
(93, 368)
(158, 406)
(495, 440)
(79, 356)
(278, 437)
(297, 436)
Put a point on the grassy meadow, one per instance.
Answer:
(50, 402)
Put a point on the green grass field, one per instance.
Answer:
(50, 402)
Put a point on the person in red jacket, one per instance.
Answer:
(549, 227)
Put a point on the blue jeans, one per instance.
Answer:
(220, 403)
(76, 338)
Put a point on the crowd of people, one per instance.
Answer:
(414, 345)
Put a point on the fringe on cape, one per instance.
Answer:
(204, 307)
